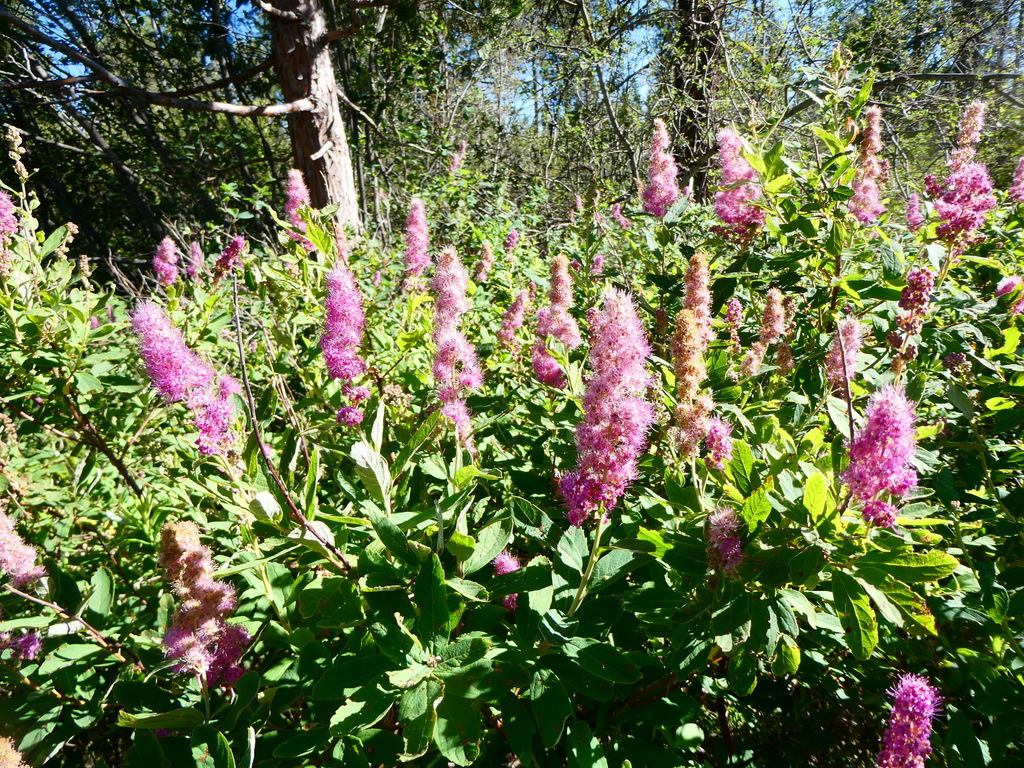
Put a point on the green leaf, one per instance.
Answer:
(460, 545)
(464, 475)
(53, 242)
(856, 615)
(816, 496)
(489, 542)
(551, 706)
(175, 720)
(911, 567)
(372, 469)
(393, 539)
(457, 733)
(422, 434)
(961, 401)
(431, 597)
(973, 751)
(741, 468)
(584, 748)
(602, 660)
(417, 713)
(210, 748)
(572, 548)
(757, 507)
(102, 592)
(1011, 340)
(787, 657)
(363, 709)
(519, 727)
(535, 575)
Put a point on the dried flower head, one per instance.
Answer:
(841, 360)
(865, 204)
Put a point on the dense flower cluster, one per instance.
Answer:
(199, 635)
(483, 269)
(416, 242)
(456, 368)
(718, 443)
(693, 405)
(662, 188)
(956, 363)
(915, 299)
(915, 219)
(556, 322)
(8, 227)
(734, 319)
(296, 196)
(342, 338)
(23, 647)
(178, 374)
(970, 134)
(511, 241)
(906, 743)
(10, 757)
(882, 453)
(725, 548)
(697, 293)
(195, 260)
(841, 360)
(1016, 190)
(616, 419)
(514, 317)
(963, 204)
(17, 559)
(165, 262)
(736, 204)
(229, 258)
(504, 563)
(865, 203)
(773, 327)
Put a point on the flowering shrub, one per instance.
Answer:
(752, 465)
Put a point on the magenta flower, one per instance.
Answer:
(177, 374)
(343, 335)
(456, 368)
(545, 368)
(1016, 190)
(841, 360)
(416, 242)
(24, 647)
(504, 563)
(229, 258)
(514, 317)
(662, 189)
(966, 199)
(199, 635)
(1008, 285)
(718, 443)
(734, 318)
(616, 418)
(865, 204)
(8, 227)
(882, 453)
(195, 260)
(725, 548)
(915, 299)
(906, 743)
(17, 559)
(555, 320)
(165, 262)
(296, 195)
(620, 217)
(915, 219)
(970, 134)
(511, 241)
(736, 204)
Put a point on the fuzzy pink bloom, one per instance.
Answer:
(841, 360)
(1016, 191)
(458, 158)
(662, 189)
(735, 205)
(195, 260)
(865, 204)
(8, 227)
(555, 320)
(17, 559)
(378, 276)
(964, 203)
(343, 335)
(296, 195)
(341, 244)
(693, 404)
(178, 373)
(597, 265)
(734, 318)
(970, 134)
(773, 327)
(725, 549)
(698, 293)
(504, 563)
(545, 367)
(906, 743)
(1008, 285)
(882, 452)
(511, 241)
(165, 262)
(616, 419)
(199, 635)
(24, 647)
(915, 299)
(620, 217)
(456, 368)
(1018, 308)
(514, 317)
(483, 269)
(915, 219)
(10, 757)
(416, 242)
(718, 443)
(229, 258)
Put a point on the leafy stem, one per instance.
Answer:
(591, 562)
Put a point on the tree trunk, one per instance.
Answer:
(319, 144)
(695, 74)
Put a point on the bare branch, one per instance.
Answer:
(271, 10)
(46, 83)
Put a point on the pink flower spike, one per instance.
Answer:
(662, 188)
(718, 443)
(915, 219)
(296, 195)
(736, 204)
(841, 360)
(1016, 190)
(504, 563)
(613, 433)
(195, 260)
(906, 743)
(1008, 285)
(725, 548)
(620, 217)
(165, 262)
(416, 242)
(17, 559)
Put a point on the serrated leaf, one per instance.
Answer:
(373, 471)
(816, 495)
(102, 591)
(856, 614)
(431, 597)
(489, 542)
(911, 567)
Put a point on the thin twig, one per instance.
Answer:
(333, 553)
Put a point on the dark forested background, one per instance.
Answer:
(554, 99)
